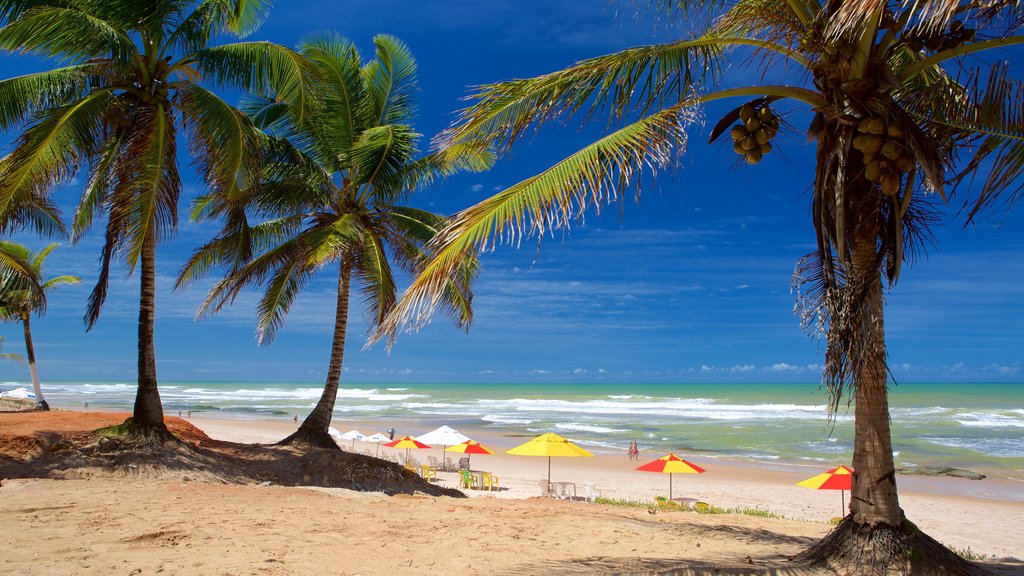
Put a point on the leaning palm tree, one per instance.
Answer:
(332, 192)
(902, 110)
(19, 300)
(131, 76)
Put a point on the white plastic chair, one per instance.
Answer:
(590, 493)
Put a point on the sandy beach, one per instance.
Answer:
(146, 526)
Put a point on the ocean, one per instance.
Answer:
(967, 425)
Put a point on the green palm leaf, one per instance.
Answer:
(65, 34)
(261, 67)
(390, 82)
(50, 149)
(550, 200)
(634, 80)
(22, 95)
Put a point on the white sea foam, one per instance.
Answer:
(989, 420)
(589, 428)
(1001, 447)
(502, 419)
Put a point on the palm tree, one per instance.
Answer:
(332, 192)
(130, 77)
(18, 302)
(891, 123)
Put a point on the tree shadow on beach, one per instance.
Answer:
(658, 567)
(61, 453)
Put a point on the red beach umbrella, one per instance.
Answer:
(407, 442)
(840, 478)
(469, 447)
(671, 464)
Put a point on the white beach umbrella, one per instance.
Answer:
(352, 435)
(377, 438)
(333, 433)
(445, 436)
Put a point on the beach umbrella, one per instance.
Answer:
(353, 435)
(549, 445)
(445, 436)
(840, 478)
(407, 442)
(377, 437)
(670, 465)
(469, 447)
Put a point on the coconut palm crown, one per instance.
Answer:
(331, 196)
(903, 113)
(131, 77)
(21, 297)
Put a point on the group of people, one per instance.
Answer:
(634, 451)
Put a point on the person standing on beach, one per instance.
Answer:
(391, 433)
(634, 451)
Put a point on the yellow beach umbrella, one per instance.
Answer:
(549, 445)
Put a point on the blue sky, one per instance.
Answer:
(689, 284)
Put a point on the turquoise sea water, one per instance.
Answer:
(959, 424)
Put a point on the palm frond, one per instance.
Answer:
(210, 17)
(991, 116)
(550, 200)
(262, 67)
(156, 186)
(284, 285)
(379, 159)
(390, 82)
(374, 274)
(225, 144)
(22, 95)
(634, 80)
(65, 34)
(96, 190)
(49, 150)
(344, 113)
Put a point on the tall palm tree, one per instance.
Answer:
(893, 127)
(131, 76)
(332, 193)
(20, 300)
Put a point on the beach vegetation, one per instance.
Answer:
(331, 197)
(903, 113)
(132, 80)
(21, 298)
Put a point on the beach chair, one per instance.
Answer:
(467, 480)
(432, 460)
(546, 490)
(702, 507)
(429, 473)
(591, 493)
(663, 502)
(449, 466)
(464, 463)
(489, 480)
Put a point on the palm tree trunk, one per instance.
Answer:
(314, 429)
(875, 539)
(30, 355)
(874, 500)
(149, 413)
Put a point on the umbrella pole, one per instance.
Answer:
(842, 494)
(670, 486)
(378, 450)
(549, 472)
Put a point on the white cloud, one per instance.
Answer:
(476, 187)
(783, 367)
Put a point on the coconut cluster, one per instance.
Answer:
(751, 138)
(886, 156)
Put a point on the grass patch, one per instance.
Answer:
(700, 508)
(968, 554)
